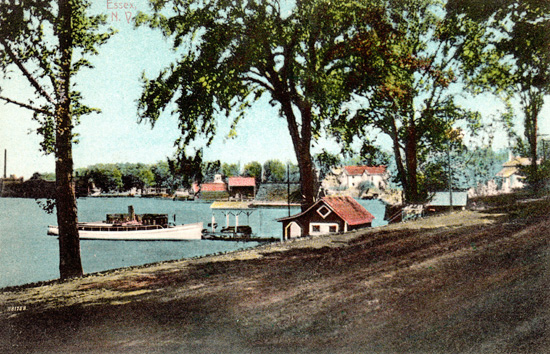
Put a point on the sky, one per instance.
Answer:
(114, 135)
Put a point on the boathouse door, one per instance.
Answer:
(293, 230)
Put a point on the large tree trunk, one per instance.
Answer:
(301, 140)
(411, 193)
(532, 105)
(70, 264)
(397, 154)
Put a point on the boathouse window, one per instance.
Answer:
(322, 228)
(323, 211)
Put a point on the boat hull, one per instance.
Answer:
(191, 231)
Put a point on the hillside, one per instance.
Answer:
(466, 282)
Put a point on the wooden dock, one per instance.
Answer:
(238, 238)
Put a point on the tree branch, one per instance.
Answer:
(25, 72)
(24, 105)
(259, 82)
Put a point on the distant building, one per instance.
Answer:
(441, 201)
(213, 187)
(510, 173)
(328, 215)
(241, 187)
(213, 191)
(14, 187)
(352, 176)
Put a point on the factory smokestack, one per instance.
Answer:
(5, 163)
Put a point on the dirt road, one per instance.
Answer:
(468, 282)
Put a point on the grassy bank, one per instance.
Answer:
(469, 281)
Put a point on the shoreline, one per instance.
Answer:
(471, 281)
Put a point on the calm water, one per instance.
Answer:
(27, 254)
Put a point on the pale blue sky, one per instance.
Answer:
(115, 136)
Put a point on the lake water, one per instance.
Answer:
(28, 255)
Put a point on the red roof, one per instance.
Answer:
(371, 170)
(242, 182)
(349, 210)
(213, 187)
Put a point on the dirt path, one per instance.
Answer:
(461, 283)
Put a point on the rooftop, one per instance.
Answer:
(213, 187)
(241, 182)
(443, 199)
(359, 170)
(347, 208)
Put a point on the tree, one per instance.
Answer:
(109, 178)
(325, 162)
(235, 52)
(209, 170)
(253, 169)
(517, 64)
(413, 101)
(46, 42)
(164, 177)
(231, 169)
(274, 171)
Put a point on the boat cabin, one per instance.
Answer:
(330, 214)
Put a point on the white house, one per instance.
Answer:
(352, 176)
(510, 173)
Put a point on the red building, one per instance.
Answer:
(328, 215)
(242, 187)
(213, 191)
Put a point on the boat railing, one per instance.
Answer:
(117, 228)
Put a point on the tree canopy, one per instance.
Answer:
(232, 53)
(414, 101)
(516, 63)
(47, 42)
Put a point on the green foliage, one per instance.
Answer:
(106, 177)
(47, 43)
(231, 170)
(274, 171)
(210, 169)
(31, 48)
(413, 100)
(325, 162)
(234, 52)
(292, 173)
(253, 169)
(517, 63)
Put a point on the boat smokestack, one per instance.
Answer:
(131, 212)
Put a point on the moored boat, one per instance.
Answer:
(131, 227)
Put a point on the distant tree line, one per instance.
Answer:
(121, 177)
(469, 167)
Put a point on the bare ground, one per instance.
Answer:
(466, 282)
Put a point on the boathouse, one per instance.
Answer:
(443, 201)
(330, 214)
(242, 188)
